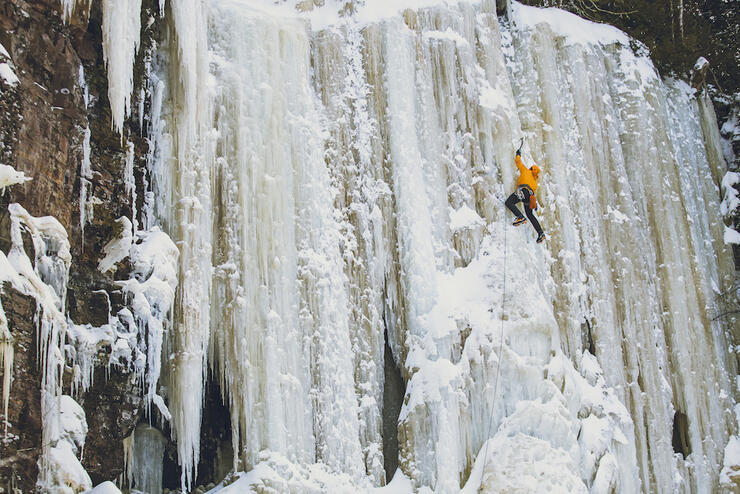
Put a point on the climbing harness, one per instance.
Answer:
(498, 365)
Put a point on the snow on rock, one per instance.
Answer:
(67, 475)
(568, 26)
(275, 473)
(522, 463)
(135, 334)
(118, 248)
(7, 74)
(46, 281)
(464, 217)
(701, 64)
(731, 236)
(10, 176)
(731, 470)
(106, 487)
(63, 421)
(399, 484)
(731, 196)
(152, 289)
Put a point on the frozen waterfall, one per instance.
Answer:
(336, 186)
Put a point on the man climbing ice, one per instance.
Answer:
(525, 187)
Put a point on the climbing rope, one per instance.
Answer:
(498, 365)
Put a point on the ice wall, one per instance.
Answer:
(333, 189)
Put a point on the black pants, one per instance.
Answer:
(511, 204)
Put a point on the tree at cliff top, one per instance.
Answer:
(677, 32)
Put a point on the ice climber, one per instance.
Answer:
(525, 188)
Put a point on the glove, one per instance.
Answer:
(519, 152)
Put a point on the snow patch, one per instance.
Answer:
(730, 475)
(10, 176)
(106, 487)
(7, 74)
(567, 25)
(731, 198)
(731, 236)
(464, 217)
(275, 473)
(119, 248)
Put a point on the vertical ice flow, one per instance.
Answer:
(327, 189)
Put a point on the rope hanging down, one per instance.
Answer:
(498, 365)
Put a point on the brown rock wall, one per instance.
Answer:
(19, 447)
(42, 127)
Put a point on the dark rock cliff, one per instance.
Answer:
(43, 120)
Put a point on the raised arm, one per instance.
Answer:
(519, 163)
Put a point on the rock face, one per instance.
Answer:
(52, 113)
(20, 441)
(61, 92)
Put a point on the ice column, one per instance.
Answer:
(6, 360)
(187, 216)
(143, 454)
(352, 150)
(121, 27)
(281, 342)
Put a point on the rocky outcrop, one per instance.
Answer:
(113, 406)
(20, 442)
(61, 92)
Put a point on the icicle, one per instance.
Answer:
(143, 452)
(156, 199)
(68, 7)
(46, 281)
(86, 205)
(129, 182)
(186, 161)
(121, 30)
(6, 360)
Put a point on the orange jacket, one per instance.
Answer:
(527, 176)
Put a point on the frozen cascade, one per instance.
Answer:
(326, 188)
(45, 279)
(184, 208)
(143, 453)
(602, 105)
(86, 175)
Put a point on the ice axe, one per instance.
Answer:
(521, 143)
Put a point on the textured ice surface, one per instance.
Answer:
(349, 182)
(143, 453)
(332, 183)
